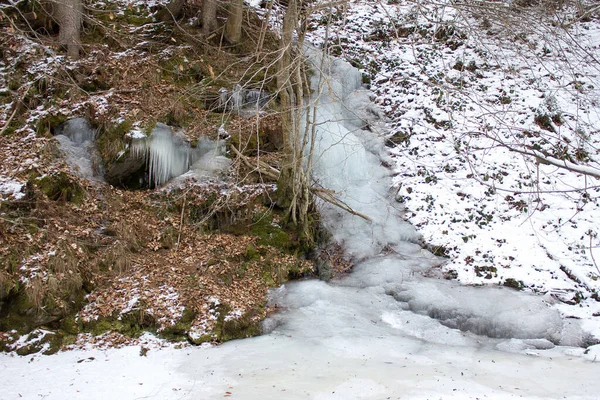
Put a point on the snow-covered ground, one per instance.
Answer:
(469, 90)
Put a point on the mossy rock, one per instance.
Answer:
(21, 313)
(45, 126)
(179, 331)
(70, 326)
(245, 326)
(18, 313)
(132, 324)
(60, 187)
(112, 140)
(48, 342)
(206, 338)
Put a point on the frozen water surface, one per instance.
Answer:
(386, 331)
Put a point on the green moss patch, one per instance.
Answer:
(60, 187)
(245, 326)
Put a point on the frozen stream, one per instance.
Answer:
(384, 332)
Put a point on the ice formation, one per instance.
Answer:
(76, 140)
(168, 154)
(388, 284)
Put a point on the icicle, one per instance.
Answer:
(168, 155)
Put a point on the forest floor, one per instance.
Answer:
(88, 262)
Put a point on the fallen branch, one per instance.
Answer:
(542, 158)
(327, 196)
(261, 167)
(181, 220)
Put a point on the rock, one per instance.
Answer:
(128, 170)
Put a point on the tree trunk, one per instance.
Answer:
(209, 16)
(171, 11)
(69, 15)
(293, 191)
(233, 27)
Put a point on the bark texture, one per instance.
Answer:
(69, 15)
(233, 27)
(293, 190)
(209, 16)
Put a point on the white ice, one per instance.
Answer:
(76, 140)
(169, 155)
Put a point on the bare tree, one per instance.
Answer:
(293, 187)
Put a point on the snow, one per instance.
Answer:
(11, 188)
(497, 214)
(283, 366)
(136, 134)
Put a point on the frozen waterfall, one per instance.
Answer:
(163, 155)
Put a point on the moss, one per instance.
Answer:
(29, 349)
(112, 140)
(99, 326)
(132, 324)
(59, 187)
(206, 338)
(179, 330)
(251, 253)
(69, 325)
(45, 126)
(18, 313)
(270, 233)
(134, 17)
(513, 283)
(248, 145)
(268, 278)
(55, 341)
(245, 326)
